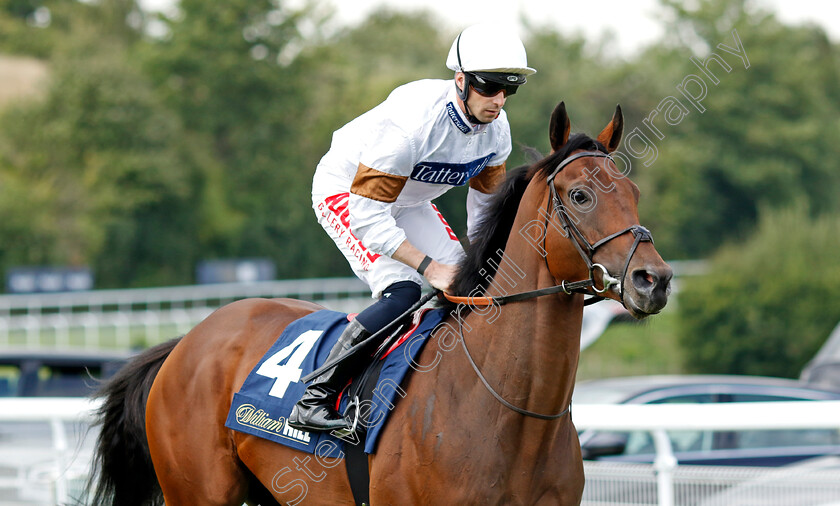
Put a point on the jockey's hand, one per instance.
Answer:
(440, 275)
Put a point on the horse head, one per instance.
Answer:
(593, 205)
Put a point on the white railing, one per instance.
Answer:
(38, 471)
(656, 482)
(146, 316)
(665, 471)
(143, 317)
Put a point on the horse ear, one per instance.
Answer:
(558, 131)
(610, 136)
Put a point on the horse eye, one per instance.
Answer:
(578, 197)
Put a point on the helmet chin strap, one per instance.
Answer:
(472, 118)
(464, 95)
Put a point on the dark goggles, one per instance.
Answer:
(487, 88)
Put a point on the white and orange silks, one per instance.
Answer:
(373, 189)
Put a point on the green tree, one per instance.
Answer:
(769, 301)
(40, 27)
(566, 68)
(102, 163)
(151, 154)
(766, 136)
(228, 71)
(22, 28)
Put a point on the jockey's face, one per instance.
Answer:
(485, 109)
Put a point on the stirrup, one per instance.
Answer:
(342, 433)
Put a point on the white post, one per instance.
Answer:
(665, 463)
(152, 324)
(62, 330)
(122, 327)
(91, 324)
(60, 445)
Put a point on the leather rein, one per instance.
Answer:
(555, 207)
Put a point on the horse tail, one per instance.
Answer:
(124, 475)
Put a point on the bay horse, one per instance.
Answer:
(485, 419)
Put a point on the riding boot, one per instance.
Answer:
(315, 411)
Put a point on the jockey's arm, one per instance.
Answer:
(479, 195)
(439, 275)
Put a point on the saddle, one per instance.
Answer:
(266, 398)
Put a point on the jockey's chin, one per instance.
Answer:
(486, 109)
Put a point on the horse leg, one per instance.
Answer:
(196, 458)
(294, 477)
(193, 456)
(194, 480)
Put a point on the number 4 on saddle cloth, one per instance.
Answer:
(263, 404)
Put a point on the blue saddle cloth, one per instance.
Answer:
(263, 404)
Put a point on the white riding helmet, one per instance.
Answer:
(489, 48)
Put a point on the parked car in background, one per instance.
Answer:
(823, 371)
(47, 373)
(707, 447)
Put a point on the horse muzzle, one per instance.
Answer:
(647, 290)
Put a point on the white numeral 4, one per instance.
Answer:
(290, 371)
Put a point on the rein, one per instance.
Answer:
(640, 233)
(498, 397)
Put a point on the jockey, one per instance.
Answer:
(373, 189)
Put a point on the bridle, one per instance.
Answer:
(640, 233)
(555, 207)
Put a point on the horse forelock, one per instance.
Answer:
(483, 255)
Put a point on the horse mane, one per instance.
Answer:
(483, 255)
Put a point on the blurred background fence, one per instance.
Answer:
(146, 316)
(667, 483)
(142, 317)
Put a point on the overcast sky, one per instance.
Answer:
(632, 22)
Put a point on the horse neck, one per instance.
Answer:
(531, 347)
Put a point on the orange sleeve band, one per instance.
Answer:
(488, 179)
(377, 185)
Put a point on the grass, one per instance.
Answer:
(135, 337)
(629, 348)
(626, 348)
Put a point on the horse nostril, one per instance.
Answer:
(652, 286)
(652, 280)
(644, 280)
